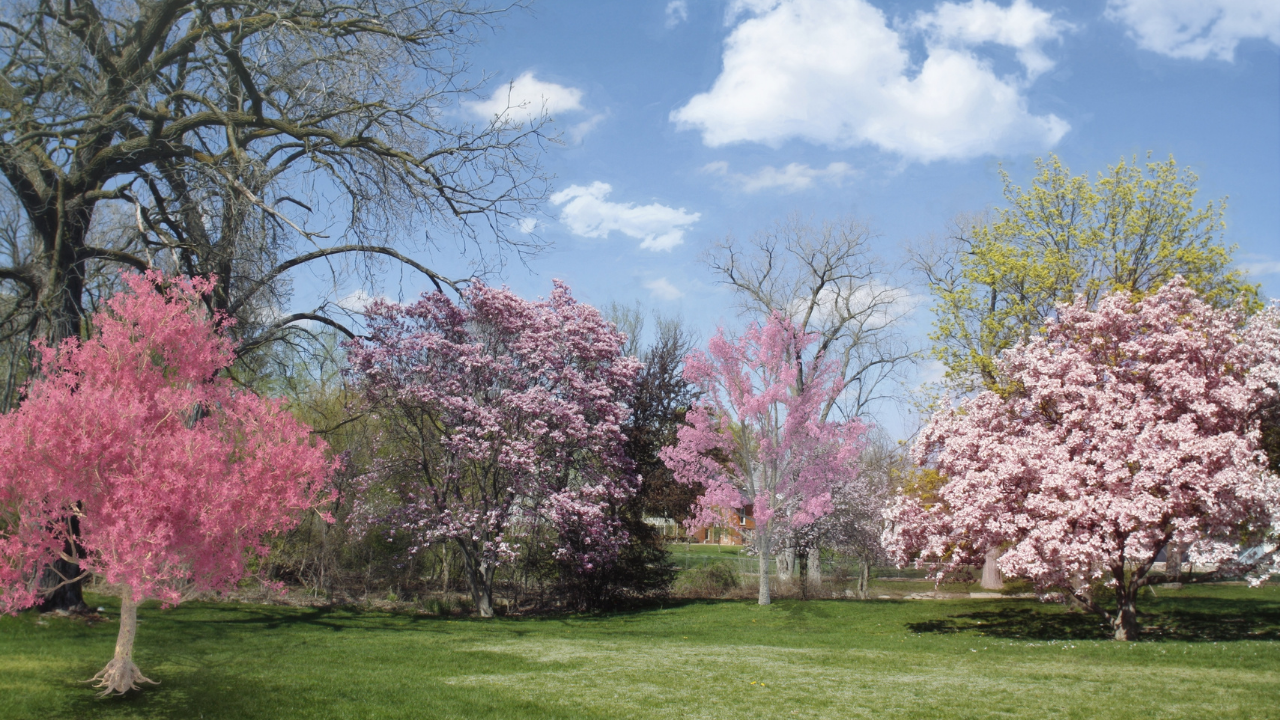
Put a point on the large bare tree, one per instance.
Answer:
(242, 139)
(826, 277)
(220, 124)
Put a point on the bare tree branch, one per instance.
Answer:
(826, 279)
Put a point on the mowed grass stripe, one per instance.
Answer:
(819, 659)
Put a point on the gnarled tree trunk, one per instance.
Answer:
(786, 564)
(121, 675)
(813, 569)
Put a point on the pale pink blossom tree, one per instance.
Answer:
(174, 473)
(1118, 432)
(1262, 339)
(756, 440)
(498, 414)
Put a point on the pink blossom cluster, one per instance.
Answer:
(1119, 432)
(756, 438)
(497, 410)
(170, 472)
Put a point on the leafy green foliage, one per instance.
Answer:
(712, 580)
(1134, 229)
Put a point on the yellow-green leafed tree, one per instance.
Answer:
(1001, 275)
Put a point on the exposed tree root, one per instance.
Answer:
(119, 676)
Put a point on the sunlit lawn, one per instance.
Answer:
(1214, 653)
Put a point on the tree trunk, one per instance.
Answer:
(479, 579)
(813, 569)
(62, 596)
(121, 675)
(444, 582)
(786, 563)
(1125, 620)
(1173, 562)
(61, 301)
(60, 581)
(762, 547)
(864, 580)
(992, 578)
(484, 600)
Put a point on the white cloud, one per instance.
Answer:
(1261, 267)
(833, 72)
(876, 305)
(932, 372)
(577, 132)
(1021, 26)
(588, 214)
(792, 178)
(740, 7)
(359, 300)
(664, 290)
(677, 12)
(1197, 29)
(527, 225)
(528, 99)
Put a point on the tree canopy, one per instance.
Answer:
(1001, 276)
(1121, 431)
(498, 414)
(214, 131)
(757, 439)
(132, 449)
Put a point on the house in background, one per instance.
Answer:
(729, 532)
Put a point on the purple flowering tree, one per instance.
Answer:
(497, 414)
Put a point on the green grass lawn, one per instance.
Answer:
(1210, 653)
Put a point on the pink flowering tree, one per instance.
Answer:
(756, 440)
(1262, 340)
(498, 414)
(174, 474)
(1119, 432)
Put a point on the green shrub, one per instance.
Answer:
(711, 580)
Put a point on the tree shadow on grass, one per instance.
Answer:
(1181, 619)
(209, 682)
(335, 618)
(207, 694)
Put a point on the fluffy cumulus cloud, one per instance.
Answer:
(834, 72)
(587, 213)
(1197, 29)
(662, 289)
(527, 98)
(792, 178)
(1022, 26)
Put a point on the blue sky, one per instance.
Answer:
(686, 120)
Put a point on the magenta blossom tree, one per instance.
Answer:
(174, 473)
(1120, 431)
(498, 415)
(755, 440)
